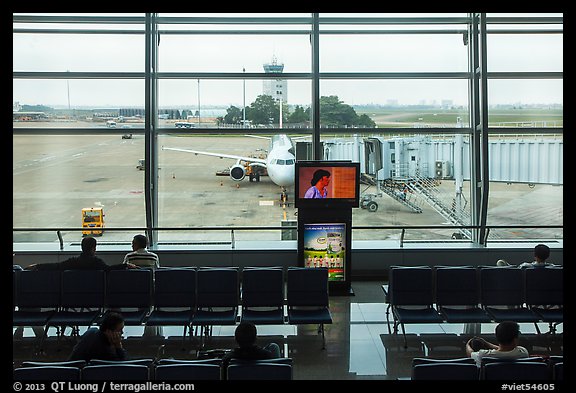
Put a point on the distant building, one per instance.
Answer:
(277, 88)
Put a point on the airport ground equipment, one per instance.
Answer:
(92, 217)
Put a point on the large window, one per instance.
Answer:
(173, 122)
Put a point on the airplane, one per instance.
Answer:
(280, 162)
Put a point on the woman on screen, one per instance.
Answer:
(319, 182)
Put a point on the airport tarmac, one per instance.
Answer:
(54, 177)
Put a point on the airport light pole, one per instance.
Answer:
(198, 102)
(68, 88)
(244, 99)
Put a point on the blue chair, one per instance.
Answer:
(130, 293)
(307, 297)
(545, 294)
(46, 373)
(37, 298)
(64, 363)
(516, 371)
(194, 371)
(139, 362)
(502, 294)
(262, 295)
(217, 298)
(82, 301)
(445, 372)
(411, 297)
(458, 295)
(116, 372)
(558, 371)
(268, 369)
(174, 298)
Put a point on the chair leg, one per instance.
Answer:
(321, 328)
(404, 334)
(388, 318)
(184, 336)
(40, 348)
(537, 328)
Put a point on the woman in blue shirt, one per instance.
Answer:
(319, 182)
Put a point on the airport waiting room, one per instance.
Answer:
(372, 191)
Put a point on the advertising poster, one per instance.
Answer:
(325, 246)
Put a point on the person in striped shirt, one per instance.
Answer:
(140, 256)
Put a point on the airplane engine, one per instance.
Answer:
(237, 172)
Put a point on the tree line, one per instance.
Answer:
(265, 110)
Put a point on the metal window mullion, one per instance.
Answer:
(74, 31)
(315, 112)
(76, 75)
(479, 122)
(77, 19)
(474, 121)
(150, 125)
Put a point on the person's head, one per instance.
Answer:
(139, 241)
(89, 245)
(113, 322)
(321, 175)
(245, 334)
(541, 252)
(507, 332)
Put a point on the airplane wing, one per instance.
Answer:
(252, 160)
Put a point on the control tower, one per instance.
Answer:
(277, 88)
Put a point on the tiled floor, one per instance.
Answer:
(359, 345)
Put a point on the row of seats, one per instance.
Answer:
(187, 297)
(491, 369)
(160, 370)
(466, 294)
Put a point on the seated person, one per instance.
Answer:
(541, 254)
(140, 256)
(87, 260)
(507, 334)
(102, 343)
(245, 336)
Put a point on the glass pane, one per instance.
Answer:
(197, 188)
(56, 176)
(408, 180)
(233, 53)
(78, 52)
(393, 53)
(526, 188)
(78, 103)
(526, 103)
(523, 53)
(394, 103)
(219, 103)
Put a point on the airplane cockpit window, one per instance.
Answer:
(290, 161)
(280, 162)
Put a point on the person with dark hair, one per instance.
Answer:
(319, 182)
(87, 260)
(102, 343)
(245, 336)
(507, 335)
(140, 256)
(541, 254)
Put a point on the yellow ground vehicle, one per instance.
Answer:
(92, 217)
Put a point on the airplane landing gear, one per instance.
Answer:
(283, 196)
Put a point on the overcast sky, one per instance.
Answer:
(235, 53)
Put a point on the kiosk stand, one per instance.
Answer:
(325, 223)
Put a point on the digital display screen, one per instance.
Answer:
(327, 184)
